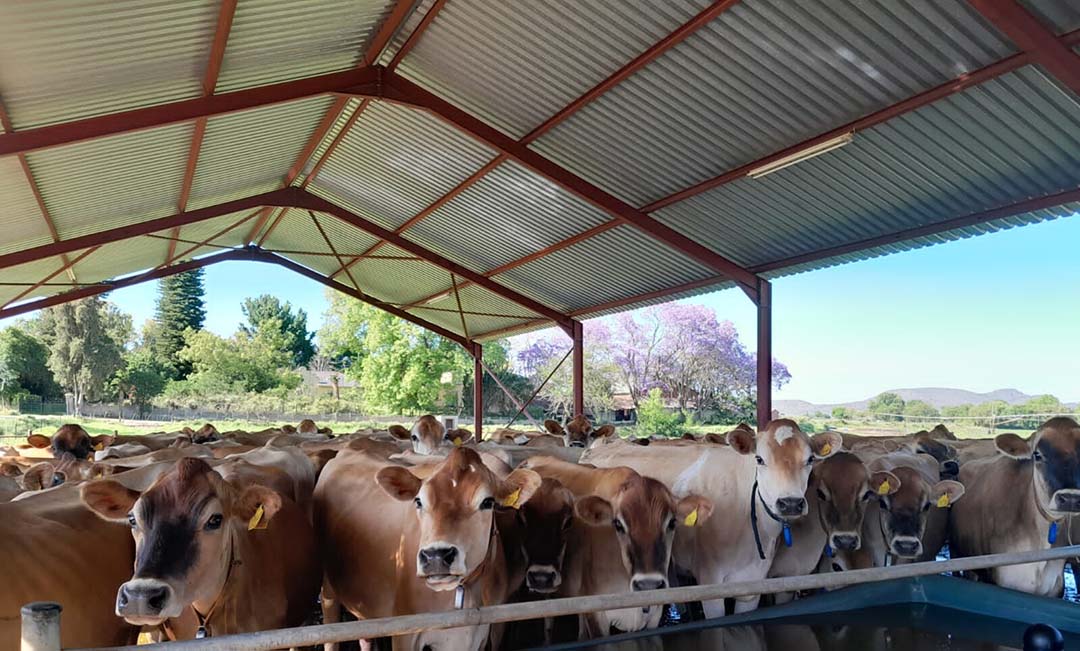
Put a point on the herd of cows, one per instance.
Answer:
(205, 533)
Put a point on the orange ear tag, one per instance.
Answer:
(884, 488)
(256, 521)
(99, 447)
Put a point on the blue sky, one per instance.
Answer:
(997, 311)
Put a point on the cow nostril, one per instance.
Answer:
(791, 505)
(123, 598)
(427, 647)
(648, 584)
(846, 542)
(952, 468)
(156, 599)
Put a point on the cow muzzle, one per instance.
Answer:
(791, 507)
(441, 565)
(542, 579)
(906, 546)
(950, 469)
(641, 582)
(146, 602)
(846, 541)
(1067, 501)
(575, 444)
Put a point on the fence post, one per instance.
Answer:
(41, 626)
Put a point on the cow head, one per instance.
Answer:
(455, 507)
(943, 453)
(844, 488)
(428, 436)
(71, 439)
(184, 527)
(785, 456)
(644, 515)
(904, 509)
(307, 427)
(579, 432)
(206, 434)
(546, 520)
(1055, 452)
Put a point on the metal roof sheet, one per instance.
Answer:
(1060, 15)
(121, 258)
(1017, 136)
(399, 281)
(765, 75)
(508, 214)
(331, 134)
(67, 59)
(31, 273)
(394, 162)
(99, 184)
(23, 226)
(250, 152)
(273, 41)
(514, 64)
(204, 230)
(616, 264)
(419, 10)
(492, 311)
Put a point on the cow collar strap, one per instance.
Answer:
(754, 498)
(459, 591)
(204, 620)
(1052, 533)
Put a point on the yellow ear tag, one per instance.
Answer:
(943, 501)
(826, 449)
(457, 441)
(884, 488)
(99, 447)
(511, 500)
(256, 521)
(691, 518)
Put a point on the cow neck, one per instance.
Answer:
(785, 528)
(463, 584)
(1052, 529)
(203, 620)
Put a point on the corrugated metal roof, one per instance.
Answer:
(1060, 15)
(399, 281)
(508, 214)
(616, 264)
(100, 184)
(273, 41)
(339, 123)
(419, 11)
(24, 225)
(250, 152)
(1015, 137)
(67, 59)
(396, 161)
(497, 312)
(31, 273)
(121, 258)
(204, 230)
(514, 64)
(765, 75)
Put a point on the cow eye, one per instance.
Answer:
(1036, 455)
(926, 507)
(760, 461)
(214, 522)
(671, 524)
(884, 504)
(619, 528)
(867, 495)
(131, 520)
(57, 479)
(487, 504)
(418, 503)
(415, 437)
(821, 494)
(810, 461)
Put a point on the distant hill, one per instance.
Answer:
(937, 396)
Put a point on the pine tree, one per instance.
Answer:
(180, 306)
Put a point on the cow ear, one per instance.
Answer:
(826, 444)
(109, 499)
(604, 432)
(399, 432)
(742, 441)
(692, 510)
(39, 441)
(517, 488)
(945, 492)
(594, 511)
(398, 483)
(459, 436)
(715, 439)
(553, 427)
(1012, 446)
(320, 458)
(101, 441)
(9, 469)
(257, 506)
(884, 483)
(38, 476)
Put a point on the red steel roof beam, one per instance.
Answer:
(68, 264)
(414, 37)
(1033, 37)
(399, 13)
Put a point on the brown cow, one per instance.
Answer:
(625, 545)
(761, 476)
(72, 439)
(398, 541)
(201, 545)
(1018, 501)
(429, 437)
(579, 432)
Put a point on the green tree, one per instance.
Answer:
(986, 412)
(841, 413)
(341, 337)
(238, 364)
(655, 419)
(887, 403)
(956, 411)
(140, 380)
(264, 309)
(920, 409)
(83, 355)
(180, 307)
(25, 360)
(497, 359)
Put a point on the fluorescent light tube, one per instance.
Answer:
(800, 156)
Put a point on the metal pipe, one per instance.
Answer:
(579, 368)
(478, 391)
(513, 398)
(764, 353)
(388, 626)
(540, 388)
(41, 626)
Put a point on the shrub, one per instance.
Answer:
(655, 419)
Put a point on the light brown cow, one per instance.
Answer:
(398, 541)
(241, 556)
(429, 437)
(579, 432)
(630, 524)
(921, 442)
(1016, 499)
(763, 476)
(72, 439)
